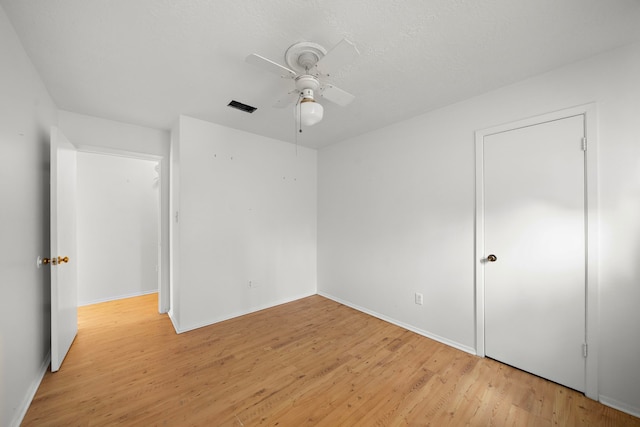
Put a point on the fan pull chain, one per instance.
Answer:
(297, 125)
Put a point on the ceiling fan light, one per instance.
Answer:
(310, 112)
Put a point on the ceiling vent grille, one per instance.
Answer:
(242, 107)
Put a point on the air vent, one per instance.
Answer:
(242, 107)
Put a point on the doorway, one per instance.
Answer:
(118, 213)
(536, 293)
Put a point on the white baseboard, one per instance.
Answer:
(403, 325)
(117, 297)
(620, 406)
(31, 392)
(179, 329)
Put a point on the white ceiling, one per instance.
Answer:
(147, 61)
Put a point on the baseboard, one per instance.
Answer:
(620, 406)
(403, 325)
(233, 315)
(115, 298)
(31, 392)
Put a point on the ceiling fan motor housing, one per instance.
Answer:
(305, 82)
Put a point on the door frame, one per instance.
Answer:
(163, 282)
(591, 232)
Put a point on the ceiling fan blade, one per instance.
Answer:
(287, 100)
(270, 66)
(336, 95)
(341, 54)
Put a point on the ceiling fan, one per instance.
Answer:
(308, 66)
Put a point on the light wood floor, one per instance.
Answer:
(309, 362)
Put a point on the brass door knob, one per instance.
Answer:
(46, 261)
(61, 259)
(492, 258)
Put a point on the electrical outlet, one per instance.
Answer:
(419, 298)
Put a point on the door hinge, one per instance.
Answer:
(584, 144)
(177, 216)
(584, 350)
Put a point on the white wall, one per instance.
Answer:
(88, 132)
(118, 227)
(247, 212)
(104, 136)
(26, 114)
(396, 212)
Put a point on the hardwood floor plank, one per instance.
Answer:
(309, 362)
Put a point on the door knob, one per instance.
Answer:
(51, 261)
(492, 258)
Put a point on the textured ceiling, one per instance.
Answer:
(147, 61)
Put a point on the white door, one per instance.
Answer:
(64, 275)
(534, 249)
